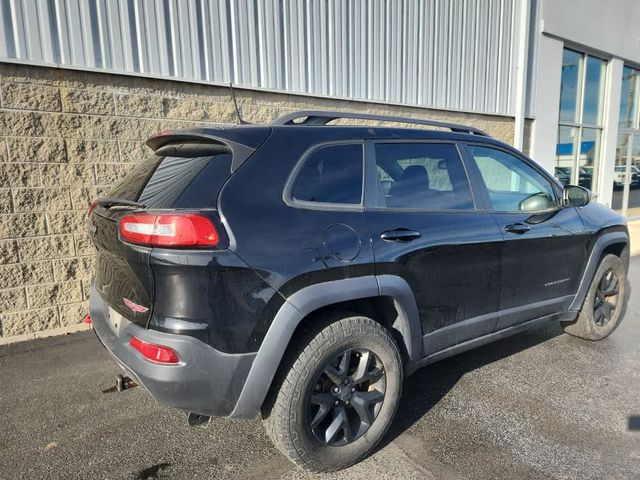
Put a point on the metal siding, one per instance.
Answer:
(447, 54)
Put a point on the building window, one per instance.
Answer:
(629, 98)
(580, 124)
(626, 175)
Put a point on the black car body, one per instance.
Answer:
(311, 217)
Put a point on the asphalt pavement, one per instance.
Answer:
(540, 404)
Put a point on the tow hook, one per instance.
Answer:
(197, 420)
(124, 383)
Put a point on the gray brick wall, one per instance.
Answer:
(67, 136)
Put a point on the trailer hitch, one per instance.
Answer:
(124, 383)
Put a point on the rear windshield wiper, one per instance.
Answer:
(108, 202)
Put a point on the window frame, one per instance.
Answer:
(287, 193)
(580, 125)
(556, 187)
(371, 179)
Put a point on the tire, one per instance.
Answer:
(593, 323)
(290, 412)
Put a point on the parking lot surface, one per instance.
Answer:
(540, 404)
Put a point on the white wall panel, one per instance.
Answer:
(448, 54)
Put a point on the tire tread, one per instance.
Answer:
(277, 422)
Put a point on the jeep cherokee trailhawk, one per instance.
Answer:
(300, 270)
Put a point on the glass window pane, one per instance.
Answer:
(588, 158)
(511, 183)
(628, 97)
(619, 170)
(427, 176)
(565, 154)
(331, 174)
(570, 88)
(634, 176)
(594, 80)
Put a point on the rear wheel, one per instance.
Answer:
(604, 304)
(338, 396)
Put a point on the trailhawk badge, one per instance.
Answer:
(134, 306)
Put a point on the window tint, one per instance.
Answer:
(204, 188)
(512, 185)
(176, 182)
(331, 174)
(428, 176)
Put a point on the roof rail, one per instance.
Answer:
(319, 117)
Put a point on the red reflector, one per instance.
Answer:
(155, 353)
(162, 133)
(92, 207)
(168, 230)
(87, 319)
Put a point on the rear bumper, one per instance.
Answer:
(206, 381)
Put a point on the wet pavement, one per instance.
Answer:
(540, 404)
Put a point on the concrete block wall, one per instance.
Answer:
(66, 136)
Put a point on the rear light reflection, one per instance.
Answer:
(87, 319)
(153, 352)
(92, 207)
(168, 230)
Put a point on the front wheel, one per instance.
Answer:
(338, 396)
(605, 302)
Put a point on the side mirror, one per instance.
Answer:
(575, 196)
(537, 202)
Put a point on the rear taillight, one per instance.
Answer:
(153, 352)
(168, 230)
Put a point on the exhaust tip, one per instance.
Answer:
(197, 420)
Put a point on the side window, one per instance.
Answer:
(427, 176)
(331, 174)
(511, 183)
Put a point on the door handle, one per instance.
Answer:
(518, 228)
(400, 235)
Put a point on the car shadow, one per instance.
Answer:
(427, 386)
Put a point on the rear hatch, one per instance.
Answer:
(188, 178)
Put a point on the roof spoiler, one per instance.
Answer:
(169, 143)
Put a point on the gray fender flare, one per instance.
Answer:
(592, 264)
(309, 299)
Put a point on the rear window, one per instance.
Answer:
(176, 182)
(331, 174)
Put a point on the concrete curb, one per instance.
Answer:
(80, 327)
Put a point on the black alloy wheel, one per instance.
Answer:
(346, 397)
(605, 300)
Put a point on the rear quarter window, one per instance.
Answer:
(331, 174)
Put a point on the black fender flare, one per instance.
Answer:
(309, 299)
(601, 243)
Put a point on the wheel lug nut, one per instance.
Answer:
(347, 402)
(336, 389)
(353, 390)
(337, 402)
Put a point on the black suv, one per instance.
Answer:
(300, 269)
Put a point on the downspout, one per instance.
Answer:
(522, 60)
